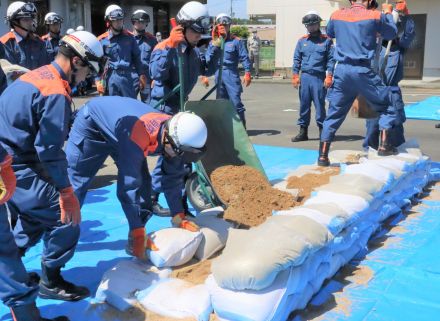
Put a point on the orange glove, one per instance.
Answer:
(387, 8)
(139, 242)
(69, 205)
(402, 7)
(142, 82)
(176, 37)
(247, 78)
(295, 81)
(8, 181)
(205, 81)
(219, 31)
(180, 220)
(100, 87)
(328, 81)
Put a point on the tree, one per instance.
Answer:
(240, 31)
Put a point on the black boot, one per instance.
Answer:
(53, 286)
(30, 312)
(437, 125)
(302, 135)
(324, 148)
(243, 119)
(385, 147)
(157, 208)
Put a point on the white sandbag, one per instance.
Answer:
(354, 206)
(392, 163)
(346, 190)
(371, 170)
(360, 182)
(247, 305)
(176, 246)
(334, 223)
(215, 234)
(179, 299)
(119, 284)
(308, 169)
(253, 258)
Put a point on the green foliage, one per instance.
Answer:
(240, 31)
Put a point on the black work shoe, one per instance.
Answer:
(385, 147)
(324, 148)
(53, 286)
(159, 210)
(302, 135)
(30, 312)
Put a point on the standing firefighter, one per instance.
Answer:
(254, 45)
(392, 74)
(146, 42)
(314, 59)
(22, 46)
(122, 54)
(129, 134)
(18, 289)
(235, 52)
(355, 30)
(52, 39)
(35, 116)
(193, 21)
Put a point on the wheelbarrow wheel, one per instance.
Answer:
(195, 194)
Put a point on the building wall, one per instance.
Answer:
(289, 14)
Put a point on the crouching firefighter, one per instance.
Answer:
(129, 134)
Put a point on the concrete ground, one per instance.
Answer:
(272, 112)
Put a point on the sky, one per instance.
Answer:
(223, 6)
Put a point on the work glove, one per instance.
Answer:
(402, 7)
(8, 181)
(205, 81)
(100, 87)
(176, 37)
(387, 8)
(139, 242)
(328, 81)
(180, 220)
(295, 81)
(142, 82)
(70, 208)
(218, 32)
(247, 78)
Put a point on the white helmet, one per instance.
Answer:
(80, 28)
(187, 134)
(86, 46)
(70, 31)
(194, 15)
(52, 18)
(20, 9)
(113, 12)
(223, 19)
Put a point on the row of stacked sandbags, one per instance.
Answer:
(269, 271)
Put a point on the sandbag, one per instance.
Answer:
(177, 246)
(214, 235)
(344, 189)
(176, 298)
(250, 304)
(371, 170)
(346, 156)
(360, 182)
(117, 289)
(253, 258)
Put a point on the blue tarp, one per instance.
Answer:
(406, 277)
(428, 109)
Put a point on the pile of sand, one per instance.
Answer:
(248, 194)
(306, 183)
(195, 271)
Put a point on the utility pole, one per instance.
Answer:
(231, 12)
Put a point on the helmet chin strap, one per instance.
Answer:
(17, 25)
(72, 81)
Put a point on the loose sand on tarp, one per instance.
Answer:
(195, 272)
(248, 194)
(306, 183)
